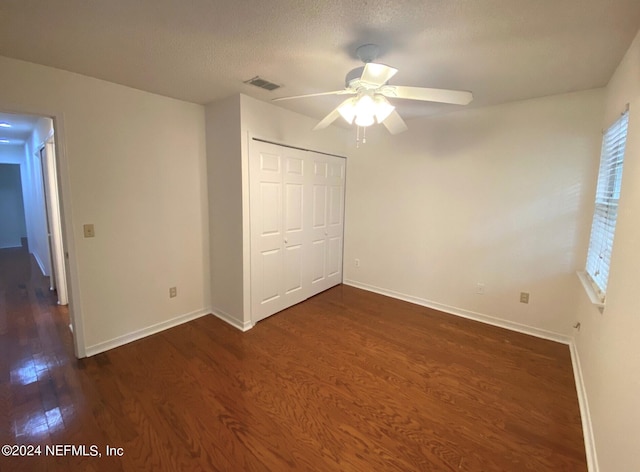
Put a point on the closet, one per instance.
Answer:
(296, 225)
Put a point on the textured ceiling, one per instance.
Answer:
(202, 50)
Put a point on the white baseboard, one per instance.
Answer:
(236, 323)
(585, 415)
(144, 332)
(40, 264)
(472, 315)
(587, 429)
(10, 246)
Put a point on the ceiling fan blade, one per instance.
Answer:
(456, 97)
(330, 118)
(394, 123)
(377, 74)
(335, 92)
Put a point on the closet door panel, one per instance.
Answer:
(328, 214)
(335, 220)
(318, 256)
(294, 226)
(266, 233)
(296, 213)
(319, 206)
(335, 205)
(334, 257)
(294, 203)
(270, 272)
(270, 215)
(293, 277)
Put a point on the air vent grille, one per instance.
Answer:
(263, 84)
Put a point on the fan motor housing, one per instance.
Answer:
(352, 75)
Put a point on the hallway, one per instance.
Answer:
(36, 355)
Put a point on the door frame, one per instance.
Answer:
(41, 156)
(47, 156)
(66, 221)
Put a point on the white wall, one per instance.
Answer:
(133, 164)
(224, 169)
(12, 223)
(495, 195)
(267, 121)
(34, 196)
(607, 343)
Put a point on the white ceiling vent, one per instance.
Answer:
(263, 84)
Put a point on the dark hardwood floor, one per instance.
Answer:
(346, 381)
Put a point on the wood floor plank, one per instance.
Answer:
(346, 381)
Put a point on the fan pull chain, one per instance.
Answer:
(364, 136)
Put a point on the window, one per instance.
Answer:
(606, 208)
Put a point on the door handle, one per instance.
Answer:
(286, 241)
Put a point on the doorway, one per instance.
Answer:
(37, 139)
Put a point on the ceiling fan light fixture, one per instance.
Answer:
(369, 85)
(365, 105)
(365, 110)
(383, 108)
(348, 110)
(363, 120)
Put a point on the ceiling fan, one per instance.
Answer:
(370, 89)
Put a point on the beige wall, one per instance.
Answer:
(230, 123)
(133, 164)
(268, 121)
(224, 168)
(609, 343)
(497, 195)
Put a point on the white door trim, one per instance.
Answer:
(57, 243)
(64, 188)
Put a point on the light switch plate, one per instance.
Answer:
(89, 231)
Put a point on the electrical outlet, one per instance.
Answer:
(480, 288)
(357, 262)
(524, 297)
(173, 292)
(89, 231)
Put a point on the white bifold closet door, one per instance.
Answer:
(297, 214)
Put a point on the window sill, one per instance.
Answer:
(591, 293)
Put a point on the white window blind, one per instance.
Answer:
(606, 208)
